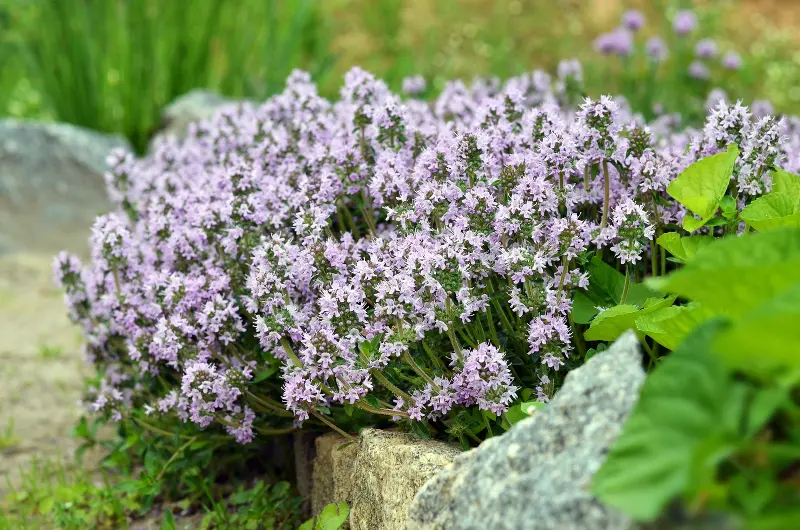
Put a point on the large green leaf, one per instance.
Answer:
(767, 337)
(683, 248)
(784, 182)
(606, 285)
(670, 325)
(701, 186)
(773, 210)
(736, 274)
(615, 321)
(683, 422)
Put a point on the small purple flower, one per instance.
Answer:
(657, 49)
(706, 49)
(633, 19)
(698, 70)
(732, 61)
(685, 22)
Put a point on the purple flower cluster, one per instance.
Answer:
(374, 252)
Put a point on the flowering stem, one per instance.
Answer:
(156, 430)
(290, 352)
(492, 331)
(414, 366)
(115, 273)
(268, 403)
(383, 412)
(433, 356)
(389, 385)
(565, 262)
(627, 284)
(330, 424)
(456, 346)
(174, 456)
(586, 178)
(606, 193)
(654, 248)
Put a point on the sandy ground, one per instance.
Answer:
(41, 367)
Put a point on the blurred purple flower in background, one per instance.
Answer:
(619, 42)
(706, 49)
(657, 49)
(685, 22)
(732, 61)
(633, 19)
(414, 85)
(762, 108)
(699, 70)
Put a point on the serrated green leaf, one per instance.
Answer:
(683, 248)
(674, 428)
(670, 325)
(738, 273)
(701, 186)
(773, 210)
(615, 321)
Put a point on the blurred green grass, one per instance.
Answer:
(112, 65)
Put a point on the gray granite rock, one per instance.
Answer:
(51, 183)
(193, 106)
(537, 475)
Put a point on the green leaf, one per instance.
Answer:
(169, 521)
(763, 406)
(785, 182)
(520, 411)
(675, 428)
(701, 186)
(729, 207)
(670, 325)
(767, 337)
(332, 517)
(613, 322)
(264, 375)
(773, 210)
(683, 248)
(606, 285)
(737, 273)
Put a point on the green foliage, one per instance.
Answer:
(717, 427)
(261, 507)
(737, 274)
(126, 60)
(615, 321)
(683, 248)
(702, 186)
(7, 437)
(780, 207)
(606, 286)
(332, 517)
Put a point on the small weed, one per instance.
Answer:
(50, 352)
(7, 438)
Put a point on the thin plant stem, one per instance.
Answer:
(627, 284)
(606, 195)
(174, 456)
(333, 426)
(389, 385)
(414, 366)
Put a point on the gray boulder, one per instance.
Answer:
(193, 106)
(51, 184)
(537, 475)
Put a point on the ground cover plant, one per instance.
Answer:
(374, 259)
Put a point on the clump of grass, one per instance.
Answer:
(50, 352)
(7, 437)
(113, 65)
